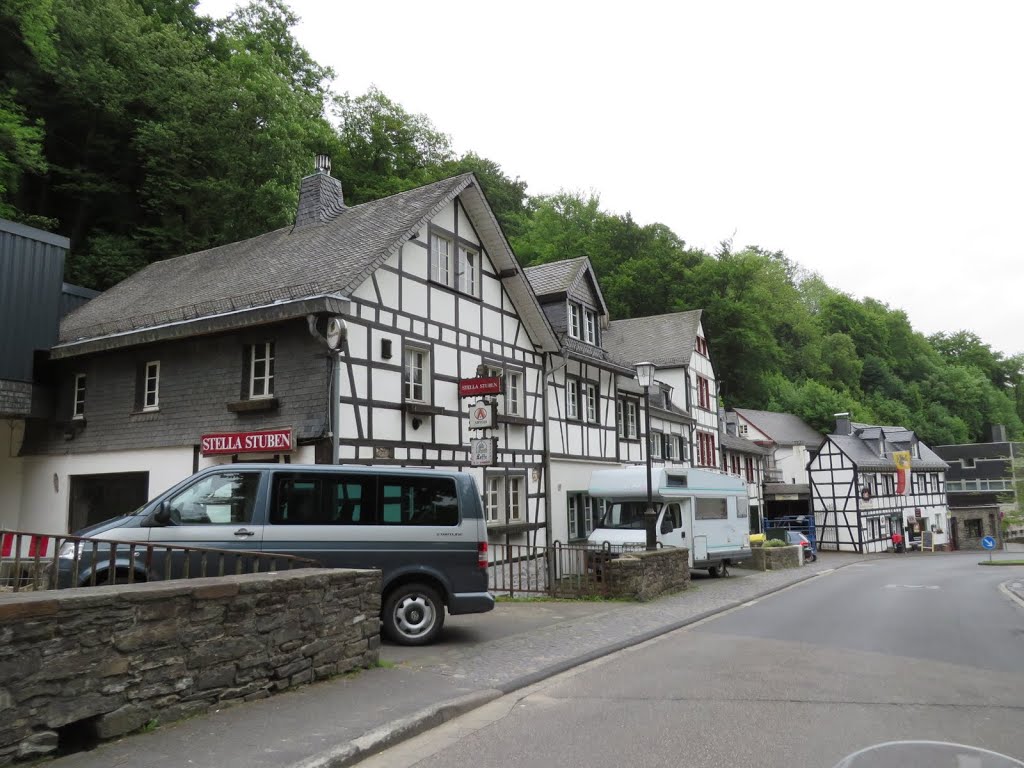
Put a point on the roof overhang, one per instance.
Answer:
(203, 326)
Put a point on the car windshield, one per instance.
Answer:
(626, 514)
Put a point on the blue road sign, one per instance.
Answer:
(988, 542)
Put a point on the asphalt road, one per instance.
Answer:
(915, 647)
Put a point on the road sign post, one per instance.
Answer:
(989, 543)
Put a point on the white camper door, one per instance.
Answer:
(672, 518)
(700, 548)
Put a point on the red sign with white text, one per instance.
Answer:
(267, 441)
(490, 385)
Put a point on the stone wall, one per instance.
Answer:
(95, 663)
(774, 558)
(647, 575)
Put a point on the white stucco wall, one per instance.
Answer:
(12, 432)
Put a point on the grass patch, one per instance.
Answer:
(385, 664)
(1001, 562)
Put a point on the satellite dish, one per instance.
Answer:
(336, 332)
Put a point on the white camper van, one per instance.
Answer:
(700, 509)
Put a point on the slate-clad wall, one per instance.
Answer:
(198, 378)
(115, 658)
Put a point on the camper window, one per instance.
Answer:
(626, 514)
(712, 509)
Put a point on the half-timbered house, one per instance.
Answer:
(584, 428)
(343, 338)
(684, 402)
(868, 482)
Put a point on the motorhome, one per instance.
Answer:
(705, 511)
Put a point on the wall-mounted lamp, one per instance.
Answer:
(416, 422)
(385, 349)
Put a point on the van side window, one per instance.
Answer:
(225, 498)
(418, 501)
(321, 499)
(712, 509)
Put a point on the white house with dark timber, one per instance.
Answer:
(868, 482)
(788, 441)
(684, 400)
(583, 395)
(342, 338)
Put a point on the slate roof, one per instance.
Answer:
(668, 340)
(896, 438)
(783, 428)
(556, 276)
(329, 258)
(742, 445)
(560, 278)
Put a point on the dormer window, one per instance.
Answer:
(590, 327)
(702, 346)
(575, 321)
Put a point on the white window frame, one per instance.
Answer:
(573, 513)
(267, 379)
(574, 320)
(151, 386)
(590, 396)
(654, 444)
(411, 364)
(589, 326)
(467, 269)
(514, 402)
(440, 259)
(78, 395)
(572, 399)
(515, 498)
(492, 499)
(505, 499)
(620, 417)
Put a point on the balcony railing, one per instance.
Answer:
(954, 486)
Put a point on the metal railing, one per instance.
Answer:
(38, 561)
(560, 570)
(979, 485)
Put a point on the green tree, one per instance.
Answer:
(385, 149)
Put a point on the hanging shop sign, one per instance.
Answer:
(481, 415)
(488, 385)
(265, 441)
(483, 451)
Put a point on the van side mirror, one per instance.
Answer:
(160, 516)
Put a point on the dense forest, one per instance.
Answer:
(141, 130)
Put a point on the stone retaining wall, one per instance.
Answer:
(95, 663)
(774, 558)
(647, 575)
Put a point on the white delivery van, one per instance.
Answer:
(706, 511)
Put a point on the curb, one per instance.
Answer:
(397, 731)
(1013, 594)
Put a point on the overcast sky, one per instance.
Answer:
(880, 144)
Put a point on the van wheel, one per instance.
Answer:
(715, 571)
(413, 614)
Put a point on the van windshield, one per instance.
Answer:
(626, 514)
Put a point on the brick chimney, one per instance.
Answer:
(320, 196)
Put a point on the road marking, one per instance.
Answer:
(752, 602)
(912, 586)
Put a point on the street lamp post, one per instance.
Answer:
(645, 376)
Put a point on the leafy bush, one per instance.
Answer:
(776, 543)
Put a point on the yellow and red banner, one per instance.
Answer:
(902, 460)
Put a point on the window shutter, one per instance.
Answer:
(246, 370)
(140, 386)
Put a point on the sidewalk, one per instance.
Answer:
(480, 658)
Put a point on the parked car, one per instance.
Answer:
(423, 529)
(810, 553)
